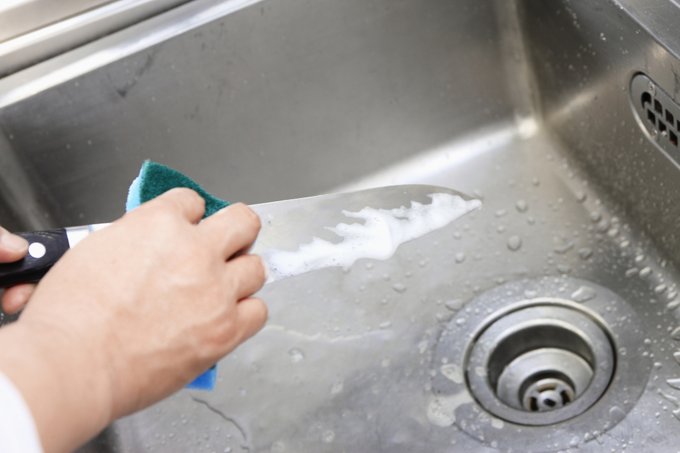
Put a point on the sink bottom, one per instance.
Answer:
(349, 359)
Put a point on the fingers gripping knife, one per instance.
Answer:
(297, 236)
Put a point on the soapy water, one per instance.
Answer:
(378, 237)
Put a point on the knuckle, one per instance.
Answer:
(263, 312)
(260, 269)
(183, 195)
(249, 216)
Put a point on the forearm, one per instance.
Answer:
(67, 393)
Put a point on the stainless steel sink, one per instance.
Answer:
(562, 288)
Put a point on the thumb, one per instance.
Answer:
(12, 247)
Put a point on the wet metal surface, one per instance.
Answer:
(524, 105)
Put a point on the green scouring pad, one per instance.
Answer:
(155, 179)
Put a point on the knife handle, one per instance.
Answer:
(44, 249)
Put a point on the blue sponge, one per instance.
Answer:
(155, 179)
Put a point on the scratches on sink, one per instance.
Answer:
(244, 445)
(383, 333)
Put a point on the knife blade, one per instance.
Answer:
(298, 235)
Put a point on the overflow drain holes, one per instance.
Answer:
(540, 365)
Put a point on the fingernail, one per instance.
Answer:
(13, 242)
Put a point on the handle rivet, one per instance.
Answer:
(37, 250)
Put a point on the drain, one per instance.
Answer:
(548, 394)
(523, 361)
(541, 364)
(544, 380)
(657, 113)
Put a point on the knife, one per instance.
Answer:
(298, 235)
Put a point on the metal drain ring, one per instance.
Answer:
(566, 334)
(453, 402)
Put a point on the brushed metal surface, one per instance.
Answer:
(20, 16)
(522, 103)
(34, 30)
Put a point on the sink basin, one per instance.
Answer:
(562, 288)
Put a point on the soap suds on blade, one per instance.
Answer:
(378, 237)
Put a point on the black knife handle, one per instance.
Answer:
(45, 248)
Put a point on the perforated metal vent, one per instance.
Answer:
(657, 113)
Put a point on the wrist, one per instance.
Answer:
(61, 380)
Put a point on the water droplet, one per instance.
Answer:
(603, 37)
(521, 206)
(659, 289)
(454, 304)
(460, 321)
(563, 268)
(631, 272)
(337, 387)
(514, 243)
(581, 196)
(583, 294)
(675, 383)
(452, 372)
(585, 253)
(399, 287)
(645, 272)
(676, 356)
(369, 266)
(536, 182)
(328, 436)
(595, 216)
(676, 413)
(460, 257)
(501, 213)
(563, 247)
(675, 334)
(385, 325)
(296, 355)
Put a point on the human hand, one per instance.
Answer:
(134, 312)
(13, 248)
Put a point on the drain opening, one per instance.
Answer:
(533, 328)
(540, 365)
(547, 394)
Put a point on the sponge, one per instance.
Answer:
(155, 179)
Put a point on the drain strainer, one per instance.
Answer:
(524, 361)
(541, 364)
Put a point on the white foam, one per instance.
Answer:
(378, 237)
